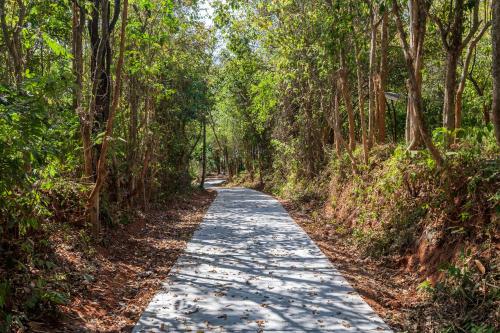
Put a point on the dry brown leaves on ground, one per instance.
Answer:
(112, 286)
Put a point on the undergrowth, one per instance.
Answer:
(36, 221)
(443, 224)
(31, 280)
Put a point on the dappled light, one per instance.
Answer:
(250, 166)
(250, 267)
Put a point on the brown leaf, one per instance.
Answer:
(480, 266)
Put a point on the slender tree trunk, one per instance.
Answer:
(204, 155)
(13, 39)
(361, 104)
(149, 113)
(338, 134)
(371, 88)
(227, 163)
(413, 58)
(486, 113)
(261, 168)
(93, 201)
(381, 102)
(408, 135)
(344, 80)
(463, 77)
(132, 134)
(414, 138)
(449, 92)
(348, 105)
(495, 36)
(84, 116)
(144, 173)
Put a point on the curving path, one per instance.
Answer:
(250, 268)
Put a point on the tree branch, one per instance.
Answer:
(443, 32)
(116, 14)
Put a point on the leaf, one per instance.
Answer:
(480, 266)
(57, 48)
(99, 138)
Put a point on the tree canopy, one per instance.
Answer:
(108, 108)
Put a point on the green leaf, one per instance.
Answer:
(57, 48)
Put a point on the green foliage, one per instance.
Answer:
(41, 296)
(469, 291)
(168, 56)
(263, 83)
(58, 49)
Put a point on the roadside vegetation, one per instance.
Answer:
(378, 141)
(377, 123)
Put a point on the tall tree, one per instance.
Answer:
(78, 26)
(100, 26)
(413, 57)
(495, 38)
(204, 153)
(94, 197)
(382, 78)
(346, 94)
(453, 42)
(361, 103)
(465, 73)
(372, 98)
(12, 38)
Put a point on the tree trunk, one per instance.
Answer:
(227, 164)
(361, 104)
(204, 154)
(414, 139)
(261, 171)
(449, 93)
(144, 173)
(132, 134)
(12, 40)
(93, 201)
(338, 134)
(495, 36)
(344, 80)
(85, 119)
(382, 79)
(100, 28)
(451, 37)
(371, 88)
(463, 77)
(148, 110)
(453, 50)
(413, 58)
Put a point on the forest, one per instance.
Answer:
(376, 124)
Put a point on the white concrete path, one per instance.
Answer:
(250, 268)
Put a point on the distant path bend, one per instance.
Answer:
(250, 268)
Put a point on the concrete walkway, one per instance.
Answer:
(250, 268)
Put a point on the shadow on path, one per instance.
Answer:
(250, 268)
